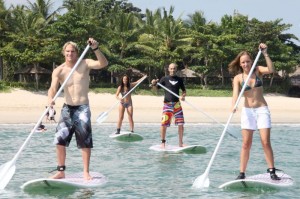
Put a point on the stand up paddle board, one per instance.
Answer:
(192, 149)
(40, 131)
(72, 181)
(260, 181)
(127, 136)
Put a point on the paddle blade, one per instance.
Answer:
(201, 182)
(102, 117)
(7, 171)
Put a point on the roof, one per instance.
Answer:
(187, 73)
(296, 73)
(33, 70)
(132, 72)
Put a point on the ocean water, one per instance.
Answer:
(134, 171)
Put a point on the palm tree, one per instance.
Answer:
(3, 28)
(84, 8)
(26, 41)
(164, 38)
(123, 31)
(206, 50)
(43, 8)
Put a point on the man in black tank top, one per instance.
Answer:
(172, 106)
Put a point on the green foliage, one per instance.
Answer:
(146, 41)
(3, 87)
(190, 92)
(8, 86)
(192, 89)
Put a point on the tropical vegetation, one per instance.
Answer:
(33, 34)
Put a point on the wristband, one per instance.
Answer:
(95, 49)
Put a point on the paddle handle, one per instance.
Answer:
(54, 98)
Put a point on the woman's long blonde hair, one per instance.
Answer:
(234, 66)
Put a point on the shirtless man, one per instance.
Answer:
(75, 113)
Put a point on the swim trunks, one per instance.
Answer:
(171, 109)
(255, 118)
(74, 119)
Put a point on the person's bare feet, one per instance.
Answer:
(58, 175)
(182, 145)
(87, 176)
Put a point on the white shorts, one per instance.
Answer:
(256, 118)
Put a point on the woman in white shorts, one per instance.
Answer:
(255, 113)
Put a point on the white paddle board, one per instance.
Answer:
(192, 149)
(127, 136)
(41, 131)
(72, 181)
(260, 181)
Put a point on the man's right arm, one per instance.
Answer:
(154, 84)
(101, 59)
(53, 87)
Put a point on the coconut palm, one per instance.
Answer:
(43, 8)
(164, 37)
(26, 41)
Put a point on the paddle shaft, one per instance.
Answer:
(194, 107)
(113, 106)
(230, 117)
(54, 98)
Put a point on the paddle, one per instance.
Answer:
(195, 108)
(203, 180)
(103, 116)
(7, 170)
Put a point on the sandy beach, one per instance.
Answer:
(20, 106)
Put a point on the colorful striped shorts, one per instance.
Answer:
(171, 109)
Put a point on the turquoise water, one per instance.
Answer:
(134, 171)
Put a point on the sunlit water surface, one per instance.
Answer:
(134, 171)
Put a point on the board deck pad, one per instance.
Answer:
(72, 181)
(127, 136)
(260, 181)
(191, 149)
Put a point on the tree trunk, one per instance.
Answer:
(111, 78)
(202, 79)
(205, 81)
(222, 75)
(1, 68)
(36, 75)
(185, 70)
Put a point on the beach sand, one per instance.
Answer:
(20, 106)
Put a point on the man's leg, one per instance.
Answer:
(86, 155)
(61, 158)
(180, 135)
(163, 130)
